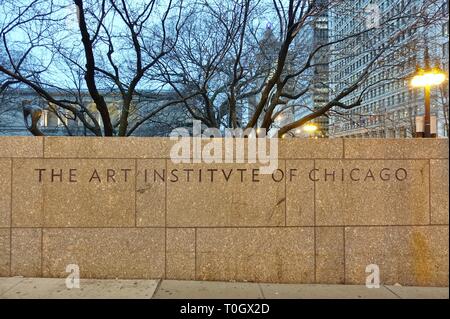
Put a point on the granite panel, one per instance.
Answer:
(106, 147)
(245, 199)
(299, 193)
(150, 194)
(282, 255)
(405, 255)
(5, 252)
(5, 192)
(26, 247)
(180, 253)
(125, 253)
(73, 193)
(411, 148)
(373, 192)
(303, 148)
(21, 146)
(439, 191)
(330, 255)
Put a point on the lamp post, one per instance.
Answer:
(426, 78)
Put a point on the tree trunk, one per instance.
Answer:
(90, 73)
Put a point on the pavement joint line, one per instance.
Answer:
(13, 286)
(385, 286)
(262, 292)
(158, 286)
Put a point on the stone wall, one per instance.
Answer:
(333, 207)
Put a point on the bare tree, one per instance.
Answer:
(228, 63)
(111, 45)
(237, 51)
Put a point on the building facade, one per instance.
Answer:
(313, 33)
(390, 106)
(319, 94)
(56, 121)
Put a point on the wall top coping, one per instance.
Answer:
(153, 147)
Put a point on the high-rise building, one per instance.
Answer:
(441, 100)
(390, 106)
(313, 34)
(319, 94)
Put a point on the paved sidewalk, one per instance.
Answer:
(19, 287)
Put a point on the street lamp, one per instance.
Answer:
(426, 78)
